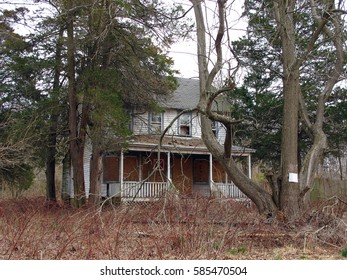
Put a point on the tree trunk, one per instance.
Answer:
(289, 188)
(315, 155)
(310, 165)
(52, 138)
(275, 182)
(77, 140)
(262, 199)
(95, 175)
(340, 163)
(50, 170)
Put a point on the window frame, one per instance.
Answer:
(131, 120)
(154, 129)
(215, 128)
(190, 124)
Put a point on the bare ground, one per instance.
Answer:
(173, 228)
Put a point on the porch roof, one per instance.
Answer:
(175, 144)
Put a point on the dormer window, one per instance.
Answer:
(155, 123)
(185, 125)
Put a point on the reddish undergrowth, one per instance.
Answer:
(172, 228)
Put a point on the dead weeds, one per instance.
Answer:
(189, 228)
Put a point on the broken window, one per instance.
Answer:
(185, 124)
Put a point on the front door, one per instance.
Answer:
(201, 177)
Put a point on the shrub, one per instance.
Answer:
(344, 252)
(17, 178)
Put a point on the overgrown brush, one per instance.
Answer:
(171, 228)
(327, 223)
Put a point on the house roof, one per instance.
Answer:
(177, 144)
(187, 96)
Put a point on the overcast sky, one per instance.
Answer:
(184, 52)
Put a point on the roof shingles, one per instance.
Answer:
(186, 96)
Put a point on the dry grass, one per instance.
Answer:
(172, 228)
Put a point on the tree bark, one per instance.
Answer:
(76, 127)
(50, 176)
(262, 199)
(289, 189)
(95, 175)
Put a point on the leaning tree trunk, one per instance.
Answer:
(260, 197)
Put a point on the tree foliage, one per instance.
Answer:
(82, 70)
(260, 50)
(18, 73)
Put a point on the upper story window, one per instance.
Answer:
(155, 123)
(185, 125)
(131, 120)
(214, 125)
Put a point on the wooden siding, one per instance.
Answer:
(68, 188)
(140, 123)
(67, 182)
(86, 159)
(169, 115)
(221, 133)
(196, 127)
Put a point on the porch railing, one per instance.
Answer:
(144, 190)
(227, 190)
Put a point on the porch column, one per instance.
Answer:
(211, 174)
(249, 167)
(168, 167)
(140, 167)
(121, 169)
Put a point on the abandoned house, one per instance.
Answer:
(184, 164)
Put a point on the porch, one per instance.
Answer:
(145, 175)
